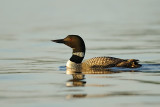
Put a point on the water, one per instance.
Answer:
(32, 69)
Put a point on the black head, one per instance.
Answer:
(73, 41)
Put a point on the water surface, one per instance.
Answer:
(32, 69)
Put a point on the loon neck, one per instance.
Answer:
(77, 57)
(78, 53)
(75, 60)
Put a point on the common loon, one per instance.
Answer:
(78, 46)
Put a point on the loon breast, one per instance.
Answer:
(71, 64)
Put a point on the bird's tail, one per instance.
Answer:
(134, 63)
(130, 63)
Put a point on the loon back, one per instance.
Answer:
(78, 46)
(107, 62)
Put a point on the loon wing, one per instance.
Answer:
(106, 62)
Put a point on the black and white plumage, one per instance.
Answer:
(78, 46)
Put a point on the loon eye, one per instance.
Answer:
(70, 39)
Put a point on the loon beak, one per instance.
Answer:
(58, 41)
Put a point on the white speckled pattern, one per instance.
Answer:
(101, 62)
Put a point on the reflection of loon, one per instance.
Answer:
(78, 46)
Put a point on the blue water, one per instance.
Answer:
(32, 68)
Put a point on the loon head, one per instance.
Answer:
(73, 41)
(78, 46)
